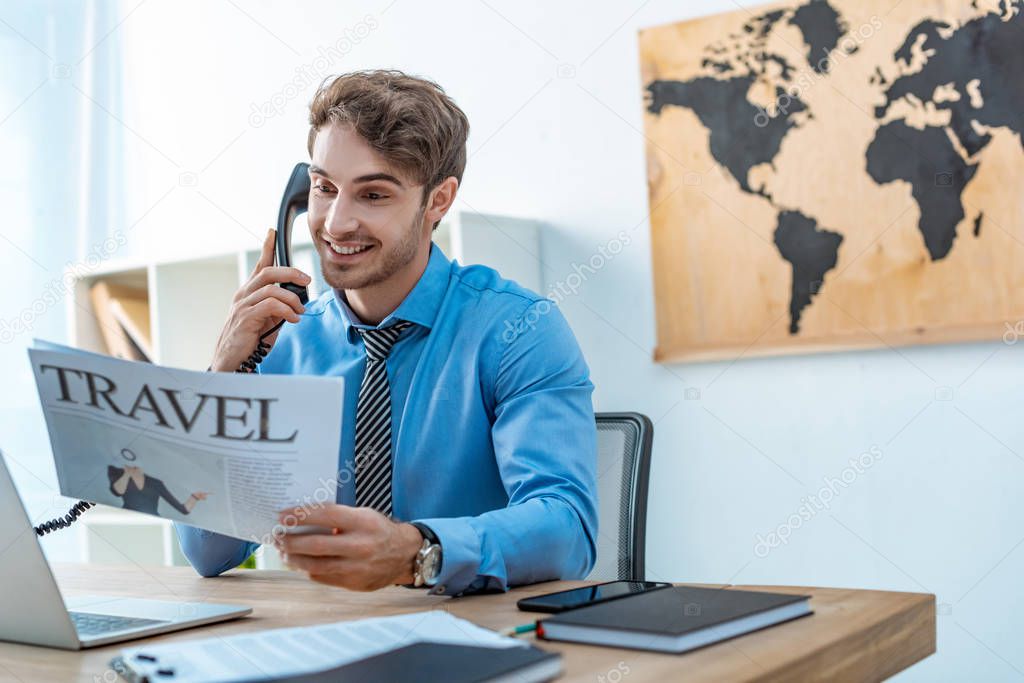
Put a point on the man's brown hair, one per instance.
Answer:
(410, 121)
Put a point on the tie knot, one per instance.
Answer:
(379, 342)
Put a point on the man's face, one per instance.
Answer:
(365, 218)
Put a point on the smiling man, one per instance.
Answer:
(468, 449)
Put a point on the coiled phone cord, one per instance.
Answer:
(64, 522)
(262, 349)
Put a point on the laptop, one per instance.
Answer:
(35, 612)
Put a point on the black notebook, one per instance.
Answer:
(674, 619)
(431, 662)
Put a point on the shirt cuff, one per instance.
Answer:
(460, 554)
(211, 553)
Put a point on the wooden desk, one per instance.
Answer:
(854, 635)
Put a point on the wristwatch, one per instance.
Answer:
(427, 565)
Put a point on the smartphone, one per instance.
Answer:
(588, 595)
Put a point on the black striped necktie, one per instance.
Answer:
(373, 422)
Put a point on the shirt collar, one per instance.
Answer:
(420, 305)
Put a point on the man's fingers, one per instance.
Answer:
(275, 292)
(318, 565)
(316, 545)
(267, 253)
(334, 516)
(341, 546)
(272, 275)
(274, 308)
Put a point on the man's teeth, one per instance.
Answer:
(348, 250)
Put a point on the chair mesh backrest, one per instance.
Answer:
(619, 459)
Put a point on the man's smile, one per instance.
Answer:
(347, 252)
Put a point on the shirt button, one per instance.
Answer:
(440, 590)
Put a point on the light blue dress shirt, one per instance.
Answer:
(493, 434)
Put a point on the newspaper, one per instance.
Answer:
(220, 451)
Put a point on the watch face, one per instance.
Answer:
(431, 566)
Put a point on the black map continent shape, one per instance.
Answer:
(896, 153)
(821, 27)
(811, 251)
(735, 139)
(988, 50)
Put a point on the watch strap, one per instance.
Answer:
(427, 533)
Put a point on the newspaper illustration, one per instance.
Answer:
(219, 451)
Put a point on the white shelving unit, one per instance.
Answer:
(188, 303)
(113, 536)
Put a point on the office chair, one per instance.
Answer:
(623, 467)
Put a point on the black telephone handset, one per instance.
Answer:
(294, 201)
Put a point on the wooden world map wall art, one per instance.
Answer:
(836, 174)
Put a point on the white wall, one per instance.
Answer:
(936, 512)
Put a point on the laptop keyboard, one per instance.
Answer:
(89, 624)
